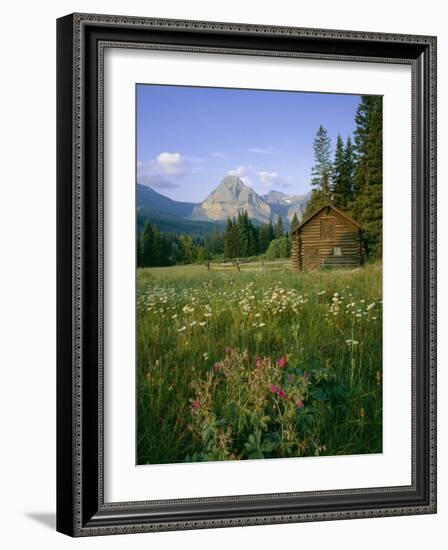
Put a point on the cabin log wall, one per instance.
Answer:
(310, 250)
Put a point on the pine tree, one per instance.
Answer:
(228, 249)
(157, 247)
(366, 206)
(294, 222)
(317, 199)
(243, 232)
(263, 238)
(231, 238)
(271, 233)
(339, 179)
(349, 167)
(321, 173)
(279, 231)
(147, 245)
(322, 169)
(138, 252)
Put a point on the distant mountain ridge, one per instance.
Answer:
(146, 196)
(287, 205)
(228, 199)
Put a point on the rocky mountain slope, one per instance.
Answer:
(228, 199)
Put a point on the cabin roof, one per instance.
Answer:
(311, 216)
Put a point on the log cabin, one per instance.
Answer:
(326, 238)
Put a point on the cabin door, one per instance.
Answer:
(311, 257)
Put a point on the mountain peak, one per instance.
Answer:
(232, 182)
(231, 197)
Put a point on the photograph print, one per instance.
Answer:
(259, 274)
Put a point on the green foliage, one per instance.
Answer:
(321, 173)
(279, 231)
(366, 205)
(317, 199)
(343, 167)
(294, 221)
(257, 363)
(243, 239)
(322, 170)
(279, 248)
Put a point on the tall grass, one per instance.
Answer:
(257, 364)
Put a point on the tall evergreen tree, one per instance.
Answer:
(279, 231)
(147, 245)
(263, 238)
(322, 171)
(340, 185)
(271, 233)
(294, 222)
(366, 206)
(349, 167)
(323, 168)
(229, 245)
(138, 252)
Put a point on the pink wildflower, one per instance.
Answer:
(281, 393)
(281, 362)
(257, 363)
(229, 349)
(216, 367)
(299, 404)
(195, 405)
(273, 388)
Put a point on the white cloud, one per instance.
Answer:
(243, 172)
(240, 171)
(171, 164)
(159, 171)
(260, 150)
(271, 179)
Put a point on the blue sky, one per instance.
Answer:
(189, 138)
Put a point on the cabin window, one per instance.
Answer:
(337, 251)
(327, 230)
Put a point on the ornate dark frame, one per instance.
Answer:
(81, 39)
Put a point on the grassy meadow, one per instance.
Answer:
(263, 362)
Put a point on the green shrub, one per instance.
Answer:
(279, 248)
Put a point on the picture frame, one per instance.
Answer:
(81, 506)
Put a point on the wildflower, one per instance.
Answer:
(299, 404)
(257, 363)
(281, 362)
(352, 342)
(281, 393)
(205, 356)
(273, 388)
(202, 323)
(216, 367)
(195, 405)
(181, 329)
(228, 349)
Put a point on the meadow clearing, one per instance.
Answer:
(261, 363)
